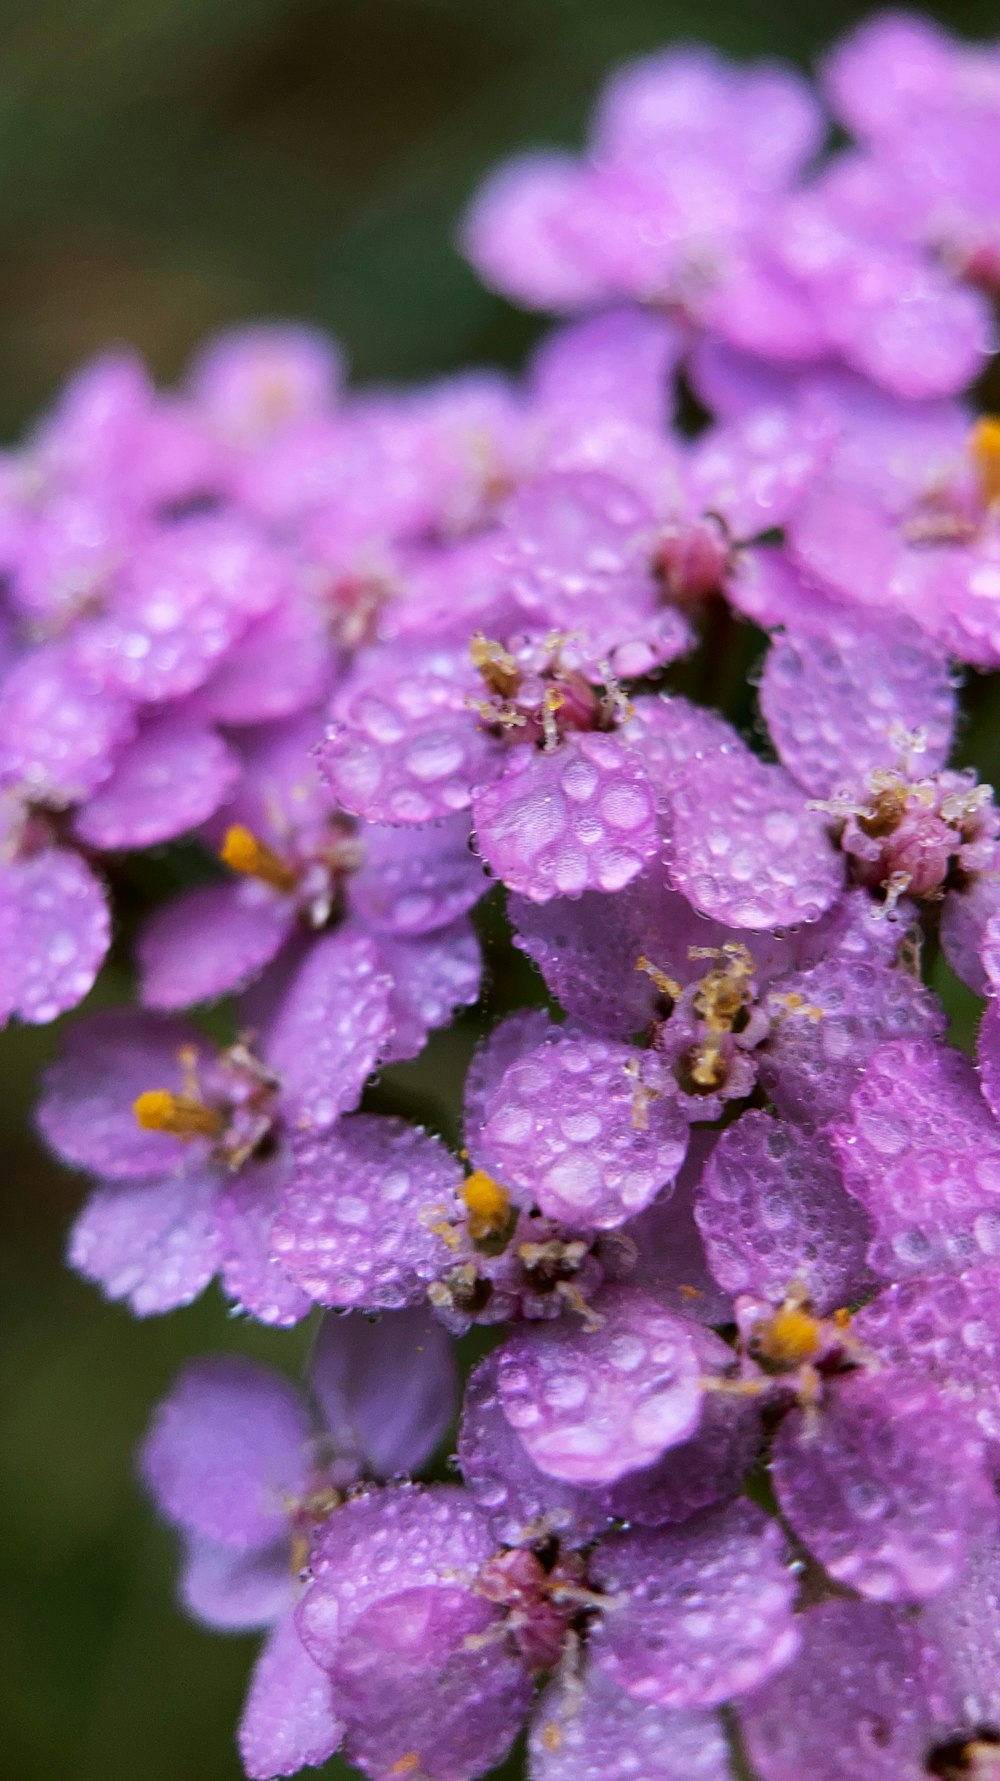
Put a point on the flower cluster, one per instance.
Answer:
(726, 1213)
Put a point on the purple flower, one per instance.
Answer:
(249, 1471)
(191, 1144)
(456, 1628)
(301, 867)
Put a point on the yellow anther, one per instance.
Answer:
(707, 1067)
(495, 664)
(985, 448)
(791, 1002)
(298, 1557)
(842, 1318)
(723, 992)
(406, 1765)
(488, 1205)
(789, 1338)
(183, 1116)
(243, 852)
(667, 986)
(552, 1736)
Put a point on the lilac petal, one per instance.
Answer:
(210, 942)
(154, 1243)
(58, 733)
(607, 1735)
(86, 1107)
(387, 1388)
(580, 818)
(55, 930)
(514, 1037)
(921, 1151)
(590, 1406)
(578, 548)
(964, 1623)
(988, 1054)
(513, 234)
(332, 1027)
(224, 1447)
(841, 702)
(356, 1224)
(280, 666)
(703, 1611)
(774, 1216)
(562, 1131)
(521, 1502)
(386, 1544)
(709, 1467)
(280, 793)
(671, 734)
(885, 1485)
(755, 470)
(432, 976)
(252, 1276)
(967, 918)
(850, 1005)
(186, 599)
(852, 1703)
(404, 746)
(413, 882)
(394, 1615)
(233, 1590)
(671, 1263)
(253, 380)
(288, 1721)
(948, 1331)
(619, 361)
(885, 66)
(904, 323)
(746, 847)
(172, 778)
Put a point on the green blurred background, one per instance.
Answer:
(166, 167)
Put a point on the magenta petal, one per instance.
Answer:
(432, 975)
(578, 547)
(387, 1544)
(842, 701)
(747, 849)
(252, 1275)
(513, 234)
(968, 929)
(169, 780)
(947, 1331)
(387, 1388)
(850, 1005)
(86, 1108)
(356, 1224)
(288, 1721)
(55, 930)
(332, 1027)
(591, 1405)
(886, 1486)
(513, 1038)
(618, 362)
(153, 1243)
(210, 942)
(607, 1735)
(921, 1151)
(703, 1611)
(774, 1216)
(580, 818)
(988, 1053)
(236, 1590)
(404, 746)
(518, 1499)
(280, 666)
(58, 733)
(415, 881)
(852, 1703)
(562, 1130)
(223, 1448)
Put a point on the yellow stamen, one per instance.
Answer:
(243, 852)
(497, 666)
(183, 1116)
(299, 1554)
(985, 448)
(552, 1736)
(790, 1337)
(406, 1764)
(667, 986)
(488, 1205)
